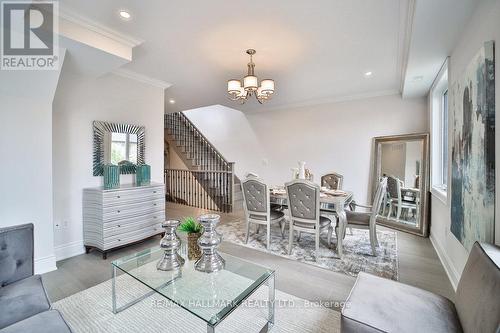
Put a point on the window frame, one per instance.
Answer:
(440, 134)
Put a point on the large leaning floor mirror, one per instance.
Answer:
(403, 160)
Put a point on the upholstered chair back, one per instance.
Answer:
(303, 200)
(477, 300)
(393, 187)
(16, 253)
(332, 181)
(255, 195)
(378, 199)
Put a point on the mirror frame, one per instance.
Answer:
(100, 128)
(423, 229)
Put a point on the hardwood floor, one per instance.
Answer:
(419, 266)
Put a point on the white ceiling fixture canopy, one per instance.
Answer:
(241, 92)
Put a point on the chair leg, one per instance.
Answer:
(290, 238)
(298, 237)
(258, 229)
(390, 210)
(317, 243)
(398, 212)
(350, 231)
(268, 234)
(330, 231)
(282, 225)
(372, 242)
(248, 231)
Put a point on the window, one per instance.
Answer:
(123, 147)
(444, 140)
(439, 134)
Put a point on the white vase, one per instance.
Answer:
(302, 170)
(295, 173)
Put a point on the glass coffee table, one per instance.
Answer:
(209, 296)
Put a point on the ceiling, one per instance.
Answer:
(437, 26)
(314, 50)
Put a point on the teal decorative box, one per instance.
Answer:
(143, 175)
(111, 174)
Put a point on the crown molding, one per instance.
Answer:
(127, 73)
(331, 100)
(406, 20)
(98, 28)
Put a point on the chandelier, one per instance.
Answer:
(239, 92)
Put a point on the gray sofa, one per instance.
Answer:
(380, 305)
(24, 304)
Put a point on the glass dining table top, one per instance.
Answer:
(209, 296)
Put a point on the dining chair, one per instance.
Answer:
(257, 208)
(332, 181)
(394, 186)
(368, 219)
(303, 210)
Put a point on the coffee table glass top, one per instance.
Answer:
(209, 296)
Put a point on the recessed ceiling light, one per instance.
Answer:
(368, 74)
(417, 78)
(124, 14)
(171, 101)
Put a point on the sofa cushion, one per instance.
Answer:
(22, 299)
(378, 304)
(16, 253)
(46, 322)
(480, 281)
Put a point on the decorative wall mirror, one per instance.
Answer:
(404, 160)
(120, 144)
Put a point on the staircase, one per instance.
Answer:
(209, 182)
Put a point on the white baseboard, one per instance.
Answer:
(68, 250)
(450, 270)
(45, 264)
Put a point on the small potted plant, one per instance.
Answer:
(193, 229)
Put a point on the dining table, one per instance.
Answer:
(330, 204)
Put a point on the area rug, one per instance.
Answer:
(357, 250)
(90, 311)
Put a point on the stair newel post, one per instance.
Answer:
(231, 186)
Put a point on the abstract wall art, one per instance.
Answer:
(473, 150)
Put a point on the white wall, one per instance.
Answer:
(26, 151)
(77, 103)
(484, 26)
(231, 134)
(329, 137)
(335, 137)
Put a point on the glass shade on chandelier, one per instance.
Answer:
(240, 91)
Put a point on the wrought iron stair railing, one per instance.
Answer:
(209, 184)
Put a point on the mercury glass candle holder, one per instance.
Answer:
(210, 260)
(170, 243)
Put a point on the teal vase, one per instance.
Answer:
(143, 175)
(111, 176)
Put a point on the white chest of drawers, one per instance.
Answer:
(117, 217)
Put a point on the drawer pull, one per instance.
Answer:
(154, 217)
(119, 240)
(118, 225)
(117, 211)
(118, 196)
(154, 204)
(154, 191)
